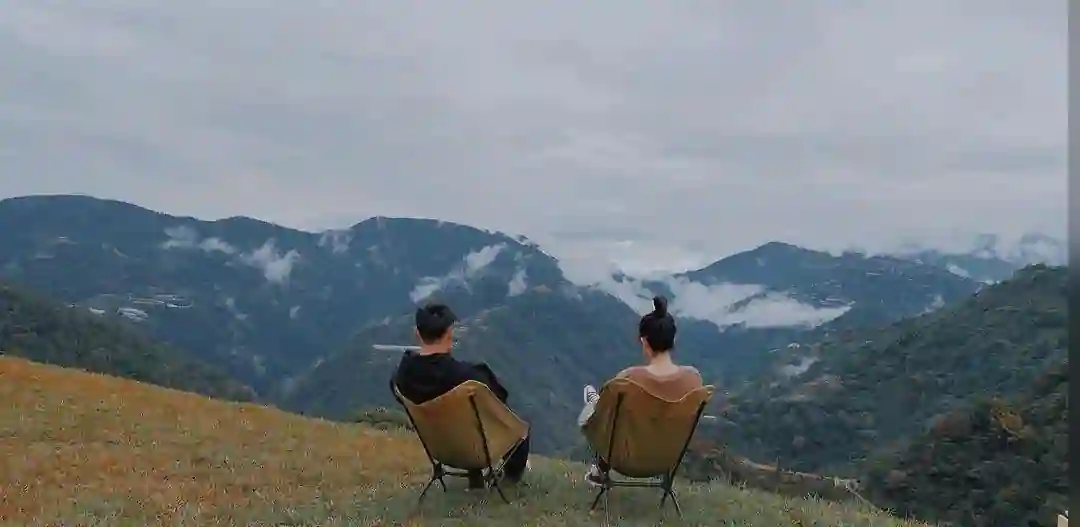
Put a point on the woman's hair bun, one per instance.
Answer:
(659, 306)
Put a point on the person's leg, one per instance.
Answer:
(586, 413)
(591, 396)
(597, 474)
(476, 479)
(517, 461)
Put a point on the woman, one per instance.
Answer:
(659, 375)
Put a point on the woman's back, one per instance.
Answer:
(671, 383)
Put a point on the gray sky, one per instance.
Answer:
(654, 133)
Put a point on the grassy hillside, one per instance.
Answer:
(85, 449)
(42, 330)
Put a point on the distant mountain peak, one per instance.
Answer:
(759, 255)
(66, 198)
(781, 246)
(383, 222)
(71, 203)
(776, 249)
(246, 222)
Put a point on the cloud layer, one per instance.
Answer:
(655, 134)
(472, 264)
(275, 265)
(723, 304)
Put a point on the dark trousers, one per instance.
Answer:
(513, 468)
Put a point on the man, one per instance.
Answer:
(432, 371)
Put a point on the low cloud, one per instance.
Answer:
(478, 260)
(518, 283)
(958, 271)
(184, 237)
(471, 265)
(799, 368)
(275, 266)
(336, 240)
(1021, 249)
(937, 303)
(230, 304)
(725, 304)
(777, 310)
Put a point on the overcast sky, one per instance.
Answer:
(653, 133)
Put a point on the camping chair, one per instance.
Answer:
(640, 435)
(467, 428)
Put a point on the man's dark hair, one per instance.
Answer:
(433, 321)
(658, 327)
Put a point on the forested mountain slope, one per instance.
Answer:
(38, 329)
(907, 408)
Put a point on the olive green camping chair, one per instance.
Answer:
(467, 428)
(642, 436)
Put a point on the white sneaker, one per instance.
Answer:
(590, 393)
(594, 477)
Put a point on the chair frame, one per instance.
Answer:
(666, 482)
(491, 474)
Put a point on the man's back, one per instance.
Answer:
(421, 378)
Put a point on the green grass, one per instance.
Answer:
(83, 449)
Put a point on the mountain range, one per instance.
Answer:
(294, 314)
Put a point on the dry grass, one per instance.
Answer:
(83, 449)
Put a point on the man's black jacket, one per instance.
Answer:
(421, 378)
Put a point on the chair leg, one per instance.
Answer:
(675, 502)
(492, 478)
(499, 490)
(427, 487)
(601, 494)
(607, 508)
(668, 485)
(437, 474)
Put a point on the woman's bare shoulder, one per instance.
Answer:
(690, 370)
